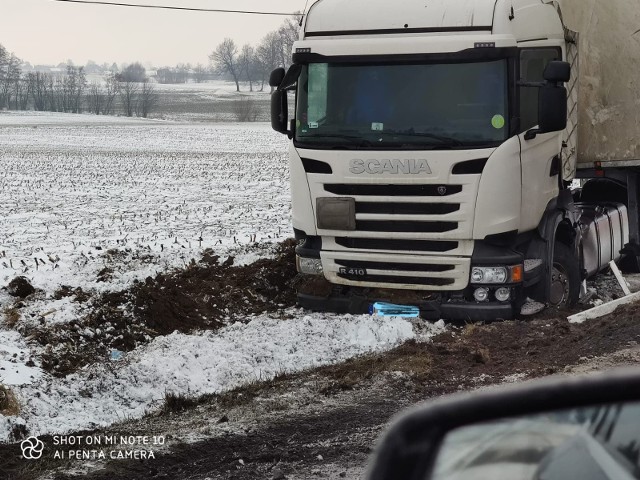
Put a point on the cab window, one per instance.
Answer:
(532, 64)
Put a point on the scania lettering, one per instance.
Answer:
(435, 148)
(413, 167)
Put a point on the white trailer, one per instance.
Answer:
(434, 144)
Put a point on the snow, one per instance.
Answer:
(209, 362)
(213, 89)
(26, 118)
(14, 355)
(81, 193)
(147, 190)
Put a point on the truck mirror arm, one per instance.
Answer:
(533, 133)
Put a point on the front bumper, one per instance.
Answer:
(357, 304)
(454, 302)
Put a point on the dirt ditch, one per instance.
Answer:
(323, 423)
(204, 296)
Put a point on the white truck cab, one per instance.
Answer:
(432, 149)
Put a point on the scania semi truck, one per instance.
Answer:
(435, 147)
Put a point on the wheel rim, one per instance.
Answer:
(559, 286)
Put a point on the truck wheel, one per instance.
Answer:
(565, 277)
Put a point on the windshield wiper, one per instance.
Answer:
(358, 143)
(441, 138)
(333, 135)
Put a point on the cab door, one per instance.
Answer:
(539, 156)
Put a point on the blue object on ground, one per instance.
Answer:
(391, 310)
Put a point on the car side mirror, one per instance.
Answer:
(552, 429)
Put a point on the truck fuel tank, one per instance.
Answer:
(605, 232)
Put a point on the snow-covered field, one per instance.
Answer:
(213, 89)
(215, 101)
(74, 189)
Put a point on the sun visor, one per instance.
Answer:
(433, 44)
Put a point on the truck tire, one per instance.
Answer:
(565, 277)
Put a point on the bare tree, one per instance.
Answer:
(96, 98)
(10, 74)
(225, 59)
(268, 55)
(4, 77)
(112, 88)
(4, 56)
(148, 98)
(289, 33)
(248, 65)
(38, 89)
(200, 73)
(129, 97)
(21, 93)
(51, 94)
(76, 84)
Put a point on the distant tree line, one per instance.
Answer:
(184, 73)
(251, 64)
(128, 92)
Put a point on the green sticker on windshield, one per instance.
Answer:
(498, 122)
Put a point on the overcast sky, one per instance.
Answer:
(48, 32)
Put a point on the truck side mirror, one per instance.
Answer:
(276, 77)
(552, 109)
(283, 81)
(557, 72)
(552, 100)
(279, 111)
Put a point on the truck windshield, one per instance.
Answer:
(423, 106)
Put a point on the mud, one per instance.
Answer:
(20, 287)
(323, 423)
(316, 424)
(204, 296)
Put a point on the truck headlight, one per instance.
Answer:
(489, 275)
(496, 275)
(309, 266)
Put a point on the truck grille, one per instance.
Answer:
(359, 189)
(379, 270)
(388, 279)
(404, 227)
(397, 245)
(407, 208)
(406, 267)
(411, 232)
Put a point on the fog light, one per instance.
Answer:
(481, 294)
(503, 294)
(309, 266)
